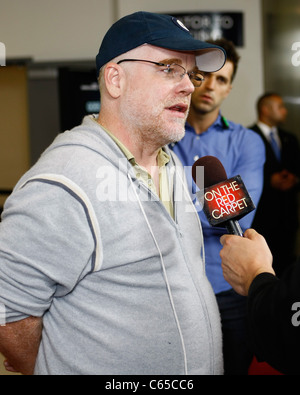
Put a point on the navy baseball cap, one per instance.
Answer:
(162, 31)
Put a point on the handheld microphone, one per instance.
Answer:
(225, 201)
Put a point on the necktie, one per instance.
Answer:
(275, 146)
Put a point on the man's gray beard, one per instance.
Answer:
(164, 138)
(154, 133)
(178, 136)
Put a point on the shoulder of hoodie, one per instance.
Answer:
(78, 154)
(79, 150)
(87, 136)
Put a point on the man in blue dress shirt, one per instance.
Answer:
(241, 152)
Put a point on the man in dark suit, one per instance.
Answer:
(277, 213)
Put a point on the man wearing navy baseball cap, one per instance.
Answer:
(161, 31)
(101, 250)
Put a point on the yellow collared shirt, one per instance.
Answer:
(165, 194)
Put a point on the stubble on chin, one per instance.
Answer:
(155, 129)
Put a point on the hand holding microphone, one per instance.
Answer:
(245, 258)
(225, 201)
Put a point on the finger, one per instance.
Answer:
(9, 367)
(223, 239)
(251, 234)
(226, 238)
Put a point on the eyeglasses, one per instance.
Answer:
(173, 71)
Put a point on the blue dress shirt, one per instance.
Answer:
(241, 152)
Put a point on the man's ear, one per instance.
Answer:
(112, 77)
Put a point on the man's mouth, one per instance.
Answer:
(180, 108)
(206, 98)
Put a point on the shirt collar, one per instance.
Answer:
(220, 123)
(266, 129)
(162, 157)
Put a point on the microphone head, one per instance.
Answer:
(223, 199)
(214, 171)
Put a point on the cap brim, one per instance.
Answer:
(209, 57)
(210, 60)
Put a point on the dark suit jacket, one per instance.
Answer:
(277, 212)
(273, 316)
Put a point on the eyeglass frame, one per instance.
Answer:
(189, 73)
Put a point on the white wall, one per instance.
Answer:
(54, 29)
(72, 29)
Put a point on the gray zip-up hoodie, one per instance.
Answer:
(121, 285)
